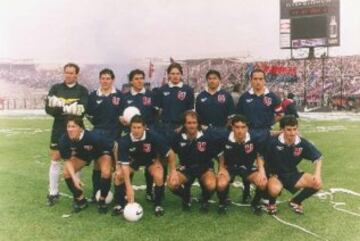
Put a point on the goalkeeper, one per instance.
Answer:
(67, 98)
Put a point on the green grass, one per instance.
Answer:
(25, 216)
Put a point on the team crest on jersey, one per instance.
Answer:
(115, 100)
(297, 151)
(201, 146)
(181, 95)
(147, 147)
(248, 148)
(146, 101)
(267, 101)
(88, 147)
(221, 98)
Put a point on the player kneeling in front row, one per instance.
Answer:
(238, 157)
(195, 149)
(283, 154)
(78, 147)
(140, 147)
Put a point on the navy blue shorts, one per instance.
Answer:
(191, 173)
(242, 171)
(290, 179)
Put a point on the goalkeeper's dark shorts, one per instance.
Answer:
(56, 133)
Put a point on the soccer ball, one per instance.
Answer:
(133, 212)
(108, 198)
(130, 112)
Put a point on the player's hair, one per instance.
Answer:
(257, 70)
(72, 65)
(192, 114)
(288, 120)
(135, 72)
(137, 119)
(213, 71)
(239, 118)
(174, 66)
(78, 120)
(107, 71)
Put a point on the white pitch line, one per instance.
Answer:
(298, 227)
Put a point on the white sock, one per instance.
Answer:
(54, 176)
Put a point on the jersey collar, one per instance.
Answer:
(217, 90)
(251, 91)
(282, 139)
(99, 93)
(71, 85)
(180, 84)
(232, 137)
(133, 139)
(133, 92)
(198, 135)
(81, 135)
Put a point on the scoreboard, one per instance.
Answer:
(309, 23)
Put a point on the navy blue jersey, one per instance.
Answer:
(104, 111)
(142, 151)
(90, 146)
(198, 152)
(174, 101)
(144, 101)
(214, 110)
(260, 110)
(239, 154)
(283, 159)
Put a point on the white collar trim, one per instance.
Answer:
(282, 139)
(180, 84)
(232, 137)
(133, 139)
(266, 91)
(198, 135)
(217, 90)
(133, 92)
(81, 135)
(99, 93)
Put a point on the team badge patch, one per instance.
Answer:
(147, 147)
(181, 95)
(146, 101)
(248, 148)
(201, 146)
(297, 151)
(221, 98)
(115, 100)
(267, 101)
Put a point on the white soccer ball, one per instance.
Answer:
(133, 212)
(130, 112)
(108, 198)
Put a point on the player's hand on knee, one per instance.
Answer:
(78, 183)
(174, 178)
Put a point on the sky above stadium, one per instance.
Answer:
(112, 31)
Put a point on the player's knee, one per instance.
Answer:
(222, 184)
(210, 184)
(55, 156)
(274, 190)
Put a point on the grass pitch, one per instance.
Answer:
(24, 215)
